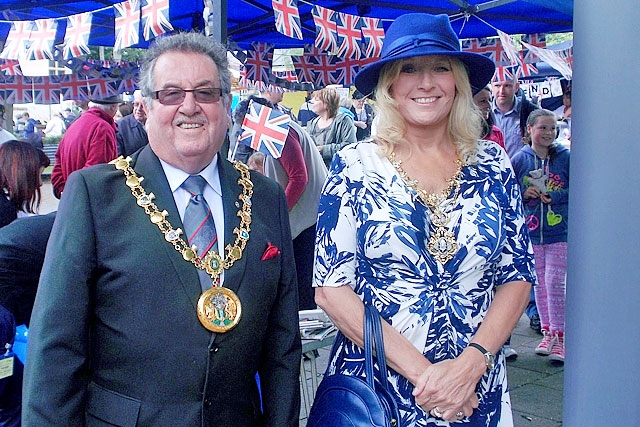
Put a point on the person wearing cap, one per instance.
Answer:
(363, 113)
(90, 141)
(425, 224)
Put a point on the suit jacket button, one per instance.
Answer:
(207, 403)
(213, 349)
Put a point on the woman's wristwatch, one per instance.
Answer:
(489, 358)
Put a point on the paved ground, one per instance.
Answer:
(536, 385)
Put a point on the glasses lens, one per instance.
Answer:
(170, 96)
(176, 96)
(207, 95)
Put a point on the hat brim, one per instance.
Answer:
(112, 100)
(480, 69)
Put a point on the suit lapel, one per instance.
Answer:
(148, 166)
(230, 192)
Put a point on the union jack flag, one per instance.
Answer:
(527, 70)
(289, 76)
(491, 47)
(17, 90)
(127, 85)
(74, 87)
(538, 40)
(345, 71)
(552, 58)
(567, 55)
(324, 65)
(258, 64)
(372, 36)
(155, 18)
(504, 73)
(127, 24)
(304, 65)
(265, 129)
(45, 90)
(509, 48)
(326, 33)
(287, 18)
(15, 45)
(76, 39)
(10, 67)
(42, 39)
(349, 35)
(102, 88)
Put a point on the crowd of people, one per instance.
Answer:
(430, 191)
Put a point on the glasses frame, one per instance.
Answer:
(160, 97)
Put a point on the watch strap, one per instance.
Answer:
(486, 353)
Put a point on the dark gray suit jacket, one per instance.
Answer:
(115, 338)
(131, 136)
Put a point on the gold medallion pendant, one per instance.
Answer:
(219, 309)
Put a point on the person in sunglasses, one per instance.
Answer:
(135, 321)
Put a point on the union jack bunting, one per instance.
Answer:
(504, 73)
(10, 67)
(287, 18)
(289, 76)
(127, 24)
(537, 40)
(509, 48)
(527, 70)
(372, 37)
(304, 65)
(324, 65)
(258, 64)
(127, 85)
(552, 58)
(76, 39)
(345, 70)
(17, 90)
(102, 88)
(155, 18)
(326, 33)
(567, 55)
(14, 46)
(42, 39)
(74, 87)
(265, 129)
(491, 47)
(349, 35)
(45, 90)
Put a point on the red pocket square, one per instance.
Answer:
(270, 252)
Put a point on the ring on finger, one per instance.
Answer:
(436, 412)
(459, 415)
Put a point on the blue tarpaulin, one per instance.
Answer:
(253, 20)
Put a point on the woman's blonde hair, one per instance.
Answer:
(465, 121)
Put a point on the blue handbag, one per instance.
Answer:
(348, 401)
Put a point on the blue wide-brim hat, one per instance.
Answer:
(421, 34)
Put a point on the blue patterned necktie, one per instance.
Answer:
(198, 223)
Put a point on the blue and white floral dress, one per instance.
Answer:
(372, 235)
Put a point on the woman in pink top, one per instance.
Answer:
(491, 132)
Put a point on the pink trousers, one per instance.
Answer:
(551, 269)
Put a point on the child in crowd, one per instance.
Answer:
(542, 168)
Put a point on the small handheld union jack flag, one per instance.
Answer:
(265, 129)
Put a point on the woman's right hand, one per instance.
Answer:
(532, 192)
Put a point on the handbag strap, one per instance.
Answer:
(373, 337)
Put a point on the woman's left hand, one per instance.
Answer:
(447, 389)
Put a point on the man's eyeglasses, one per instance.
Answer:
(206, 95)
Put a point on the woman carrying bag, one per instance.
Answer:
(425, 224)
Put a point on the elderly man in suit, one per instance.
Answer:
(134, 326)
(131, 134)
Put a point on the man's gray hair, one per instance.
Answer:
(191, 42)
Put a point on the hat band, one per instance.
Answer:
(404, 44)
